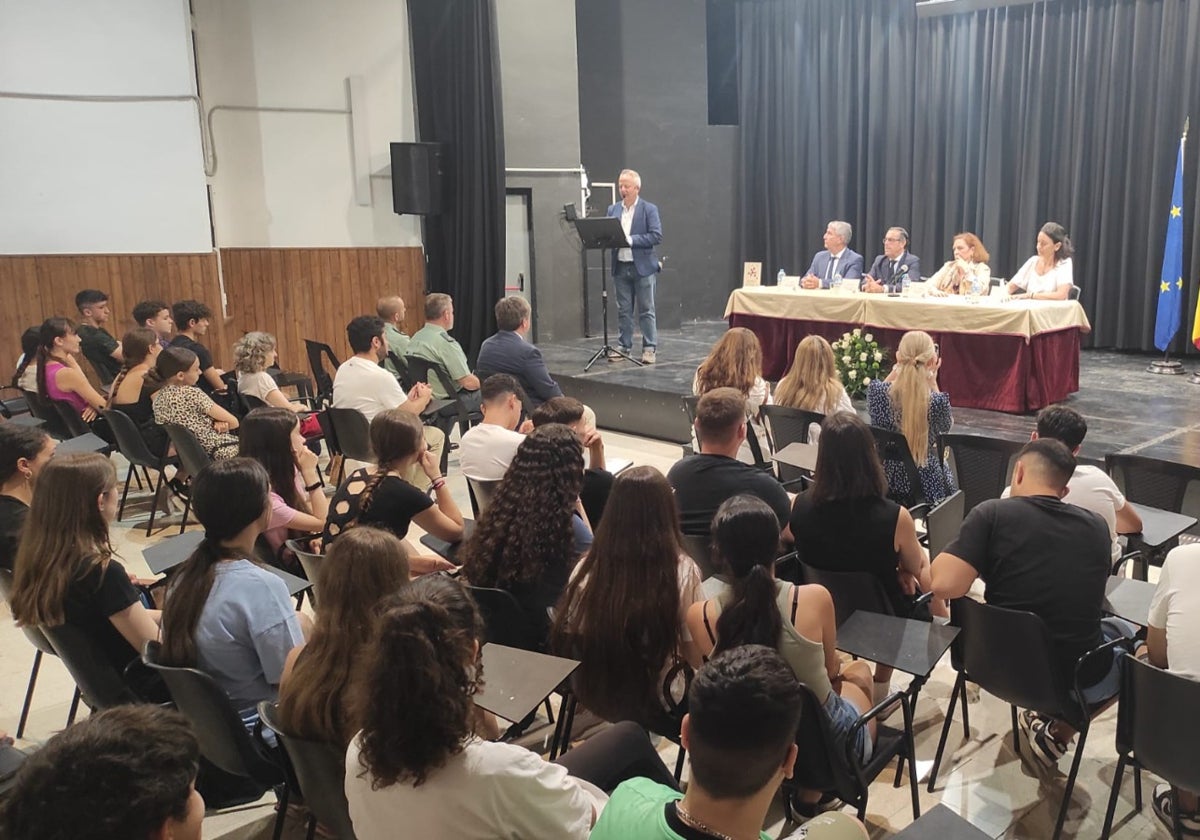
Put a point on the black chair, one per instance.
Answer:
(321, 770)
(12, 406)
(944, 521)
(48, 414)
(41, 646)
(1156, 730)
(318, 352)
(699, 548)
(1156, 483)
(75, 425)
(481, 493)
(192, 456)
(352, 431)
(311, 563)
(789, 425)
(1008, 653)
(403, 374)
(1074, 293)
(822, 765)
(421, 370)
(982, 465)
(893, 446)
(132, 446)
(100, 686)
(506, 624)
(223, 738)
(760, 460)
(250, 402)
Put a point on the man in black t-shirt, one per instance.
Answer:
(95, 342)
(703, 482)
(1037, 553)
(192, 318)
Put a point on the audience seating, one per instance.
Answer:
(75, 425)
(100, 686)
(421, 369)
(689, 406)
(44, 411)
(318, 352)
(13, 406)
(1008, 653)
(1156, 483)
(192, 456)
(1074, 293)
(41, 646)
(481, 493)
(1156, 730)
(892, 446)
(789, 425)
(320, 769)
(133, 447)
(944, 521)
(822, 765)
(699, 548)
(352, 431)
(310, 563)
(982, 465)
(223, 738)
(505, 623)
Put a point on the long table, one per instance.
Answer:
(1013, 355)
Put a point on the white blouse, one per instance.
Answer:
(1063, 274)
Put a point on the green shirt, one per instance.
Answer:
(397, 342)
(434, 344)
(637, 811)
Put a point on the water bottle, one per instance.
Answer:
(904, 282)
(779, 278)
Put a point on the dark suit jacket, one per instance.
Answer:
(645, 232)
(850, 266)
(881, 269)
(507, 352)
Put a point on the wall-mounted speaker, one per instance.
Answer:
(419, 178)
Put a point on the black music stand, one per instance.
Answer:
(602, 234)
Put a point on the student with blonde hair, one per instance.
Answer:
(812, 383)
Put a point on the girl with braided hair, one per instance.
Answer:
(534, 530)
(380, 496)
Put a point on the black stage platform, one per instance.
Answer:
(1127, 409)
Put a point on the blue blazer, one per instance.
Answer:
(645, 232)
(507, 352)
(881, 269)
(850, 266)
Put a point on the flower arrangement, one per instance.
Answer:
(859, 359)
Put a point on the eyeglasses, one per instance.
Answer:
(892, 239)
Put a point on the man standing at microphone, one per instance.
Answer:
(635, 267)
(892, 266)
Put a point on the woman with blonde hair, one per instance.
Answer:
(66, 571)
(908, 401)
(736, 361)
(366, 567)
(812, 383)
(968, 273)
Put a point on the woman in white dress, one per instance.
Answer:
(1050, 274)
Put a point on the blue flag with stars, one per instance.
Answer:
(1170, 284)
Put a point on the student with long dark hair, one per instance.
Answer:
(178, 400)
(59, 376)
(624, 613)
(66, 571)
(367, 566)
(533, 533)
(381, 496)
(25, 376)
(417, 767)
(299, 505)
(131, 389)
(225, 614)
(798, 621)
(23, 453)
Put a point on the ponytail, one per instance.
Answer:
(751, 617)
(186, 597)
(746, 537)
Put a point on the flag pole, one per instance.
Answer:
(1167, 365)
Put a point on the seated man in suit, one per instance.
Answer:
(509, 351)
(837, 260)
(434, 343)
(890, 268)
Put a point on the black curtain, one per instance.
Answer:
(992, 121)
(456, 74)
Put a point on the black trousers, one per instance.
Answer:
(623, 751)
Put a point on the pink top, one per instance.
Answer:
(55, 393)
(281, 514)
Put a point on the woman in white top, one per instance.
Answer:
(736, 361)
(968, 273)
(418, 768)
(1050, 274)
(252, 355)
(812, 383)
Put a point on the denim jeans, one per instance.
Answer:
(629, 286)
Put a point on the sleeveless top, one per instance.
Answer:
(55, 393)
(806, 657)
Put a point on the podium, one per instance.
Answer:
(603, 233)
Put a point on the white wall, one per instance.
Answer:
(99, 177)
(287, 179)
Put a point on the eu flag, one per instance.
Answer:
(1170, 284)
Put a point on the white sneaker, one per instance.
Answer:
(648, 356)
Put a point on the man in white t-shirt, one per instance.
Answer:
(488, 448)
(361, 384)
(1090, 487)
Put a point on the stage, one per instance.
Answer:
(1127, 409)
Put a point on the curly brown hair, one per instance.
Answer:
(527, 526)
(414, 704)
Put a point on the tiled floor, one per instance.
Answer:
(982, 778)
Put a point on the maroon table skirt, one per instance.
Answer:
(979, 370)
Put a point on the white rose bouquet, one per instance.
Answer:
(859, 360)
